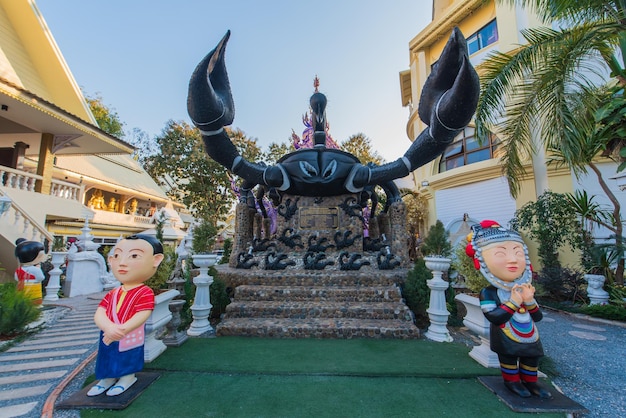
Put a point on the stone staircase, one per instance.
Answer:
(299, 304)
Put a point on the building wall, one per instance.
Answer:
(479, 189)
(36, 63)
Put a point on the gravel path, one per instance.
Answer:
(589, 358)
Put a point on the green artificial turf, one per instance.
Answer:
(254, 377)
(361, 357)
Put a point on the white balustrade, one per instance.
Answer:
(15, 223)
(65, 190)
(18, 179)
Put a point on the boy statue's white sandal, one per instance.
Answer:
(98, 389)
(119, 389)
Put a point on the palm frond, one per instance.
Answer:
(572, 10)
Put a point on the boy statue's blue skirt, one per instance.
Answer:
(113, 363)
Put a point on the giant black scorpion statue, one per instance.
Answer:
(448, 101)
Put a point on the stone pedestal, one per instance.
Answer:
(161, 315)
(595, 291)
(201, 307)
(437, 310)
(174, 337)
(54, 282)
(476, 322)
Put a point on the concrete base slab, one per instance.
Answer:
(80, 400)
(558, 403)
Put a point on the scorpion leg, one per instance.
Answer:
(211, 107)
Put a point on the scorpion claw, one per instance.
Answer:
(450, 94)
(209, 102)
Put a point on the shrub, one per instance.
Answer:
(16, 310)
(203, 237)
(474, 280)
(617, 294)
(159, 280)
(562, 284)
(219, 298)
(551, 222)
(416, 293)
(436, 242)
(218, 294)
(612, 312)
(228, 248)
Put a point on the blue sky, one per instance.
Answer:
(138, 55)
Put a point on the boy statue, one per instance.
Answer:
(29, 275)
(122, 313)
(509, 305)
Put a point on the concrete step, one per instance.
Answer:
(317, 328)
(17, 410)
(25, 355)
(235, 277)
(314, 309)
(307, 293)
(25, 392)
(6, 379)
(37, 365)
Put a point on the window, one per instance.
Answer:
(485, 36)
(467, 149)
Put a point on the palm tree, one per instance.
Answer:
(548, 89)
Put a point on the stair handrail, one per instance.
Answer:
(19, 213)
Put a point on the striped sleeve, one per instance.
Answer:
(138, 299)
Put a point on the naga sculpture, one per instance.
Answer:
(448, 101)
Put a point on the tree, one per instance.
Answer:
(189, 175)
(437, 241)
(551, 223)
(107, 118)
(549, 88)
(361, 147)
(144, 145)
(276, 151)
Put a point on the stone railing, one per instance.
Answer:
(115, 218)
(18, 179)
(16, 223)
(23, 180)
(66, 190)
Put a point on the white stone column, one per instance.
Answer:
(201, 307)
(437, 310)
(54, 282)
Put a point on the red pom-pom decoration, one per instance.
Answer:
(487, 223)
(476, 264)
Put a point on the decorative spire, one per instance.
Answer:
(316, 83)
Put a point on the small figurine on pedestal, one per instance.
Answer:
(509, 305)
(595, 292)
(122, 314)
(29, 275)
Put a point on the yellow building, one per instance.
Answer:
(467, 181)
(56, 166)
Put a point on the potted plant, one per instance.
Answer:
(202, 242)
(436, 244)
(437, 248)
(474, 319)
